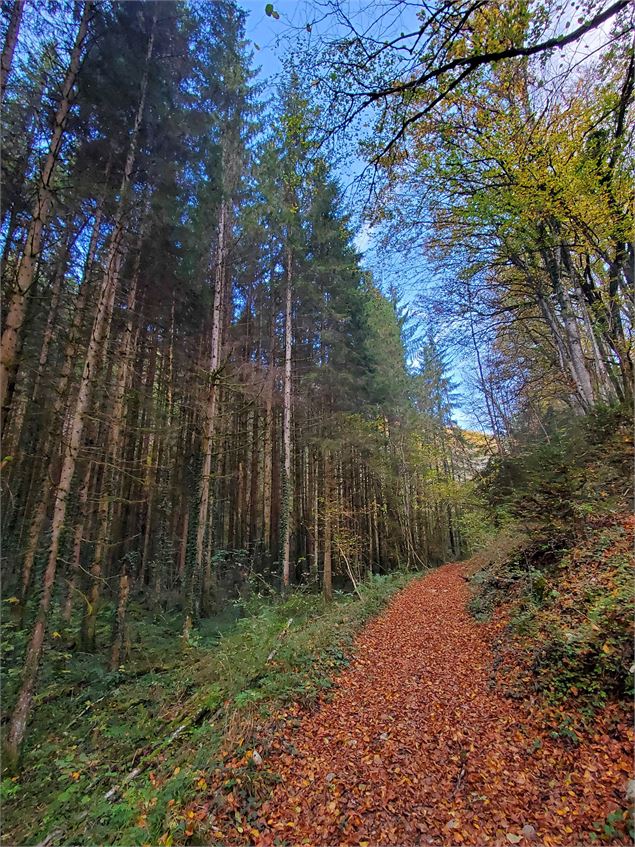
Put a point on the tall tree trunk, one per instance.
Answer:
(183, 543)
(576, 349)
(10, 41)
(148, 457)
(70, 353)
(327, 574)
(119, 634)
(16, 307)
(267, 471)
(78, 537)
(566, 335)
(26, 397)
(114, 452)
(253, 481)
(287, 490)
(209, 424)
(315, 559)
(22, 710)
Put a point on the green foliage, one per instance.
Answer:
(612, 827)
(590, 651)
(558, 482)
(479, 523)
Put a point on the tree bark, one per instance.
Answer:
(327, 573)
(39, 515)
(78, 537)
(10, 41)
(25, 397)
(16, 308)
(267, 471)
(22, 710)
(113, 453)
(287, 491)
(119, 634)
(209, 425)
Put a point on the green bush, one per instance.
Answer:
(558, 481)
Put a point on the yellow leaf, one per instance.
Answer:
(606, 648)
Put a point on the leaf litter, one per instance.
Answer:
(417, 745)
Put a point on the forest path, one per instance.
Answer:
(417, 747)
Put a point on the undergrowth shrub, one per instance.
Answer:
(564, 567)
(581, 469)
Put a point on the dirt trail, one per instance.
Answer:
(417, 747)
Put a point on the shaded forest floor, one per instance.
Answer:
(421, 745)
(487, 704)
(124, 757)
